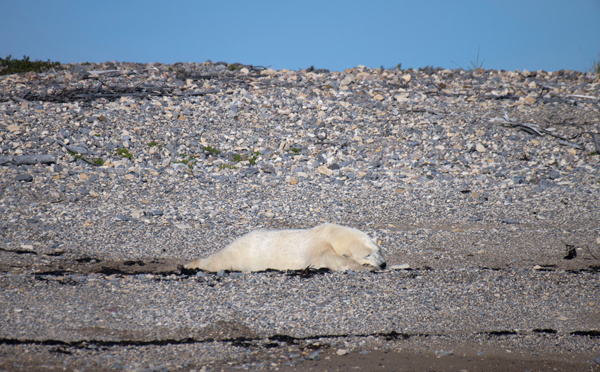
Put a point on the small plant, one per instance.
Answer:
(475, 64)
(237, 158)
(189, 161)
(399, 66)
(98, 162)
(155, 144)
(226, 166)
(255, 155)
(124, 153)
(234, 67)
(211, 150)
(295, 150)
(13, 66)
(310, 69)
(596, 65)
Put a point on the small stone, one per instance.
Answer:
(597, 359)
(156, 212)
(24, 177)
(509, 221)
(406, 78)
(403, 266)
(268, 168)
(12, 128)
(378, 97)
(443, 353)
(529, 100)
(480, 148)
(341, 352)
(77, 149)
(249, 171)
(293, 181)
(314, 355)
(333, 166)
(402, 97)
(324, 170)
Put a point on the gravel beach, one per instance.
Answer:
(482, 188)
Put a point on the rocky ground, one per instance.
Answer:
(482, 188)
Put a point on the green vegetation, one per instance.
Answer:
(154, 143)
(596, 65)
(251, 158)
(226, 166)
(187, 160)
(98, 162)
(13, 66)
(211, 150)
(255, 155)
(124, 153)
(234, 67)
(295, 150)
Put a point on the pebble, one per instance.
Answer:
(24, 177)
(315, 355)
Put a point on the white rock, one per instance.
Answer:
(324, 170)
(480, 148)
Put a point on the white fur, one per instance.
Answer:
(328, 246)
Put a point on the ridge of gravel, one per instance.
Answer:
(482, 187)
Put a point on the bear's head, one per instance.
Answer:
(355, 245)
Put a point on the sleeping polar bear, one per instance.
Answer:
(328, 246)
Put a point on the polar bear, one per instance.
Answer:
(328, 246)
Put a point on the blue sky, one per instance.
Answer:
(509, 34)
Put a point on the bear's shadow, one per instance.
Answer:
(303, 273)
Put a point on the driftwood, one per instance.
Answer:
(110, 93)
(28, 159)
(533, 129)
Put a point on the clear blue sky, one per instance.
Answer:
(509, 34)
